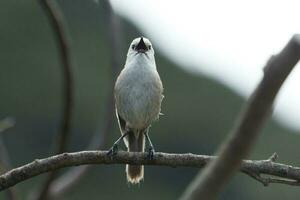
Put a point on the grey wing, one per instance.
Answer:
(122, 123)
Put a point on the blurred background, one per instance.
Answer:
(203, 94)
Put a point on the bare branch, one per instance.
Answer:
(40, 166)
(238, 145)
(267, 180)
(71, 178)
(273, 157)
(4, 157)
(5, 163)
(56, 20)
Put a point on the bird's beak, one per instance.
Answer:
(141, 47)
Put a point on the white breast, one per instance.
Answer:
(138, 94)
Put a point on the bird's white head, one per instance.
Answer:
(140, 47)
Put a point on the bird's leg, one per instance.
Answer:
(114, 149)
(151, 150)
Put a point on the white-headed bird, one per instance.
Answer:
(138, 97)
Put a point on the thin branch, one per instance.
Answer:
(68, 180)
(56, 20)
(4, 157)
(238, 145)
(267, 180)
(5, 163)
(40, 166)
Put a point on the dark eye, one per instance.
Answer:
(133, 46)
(149, 47)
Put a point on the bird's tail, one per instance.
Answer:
(135, 173)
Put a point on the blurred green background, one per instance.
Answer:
(198, 112)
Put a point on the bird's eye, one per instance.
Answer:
(149, 47)
(133, 46)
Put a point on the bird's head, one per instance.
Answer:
(140, 46)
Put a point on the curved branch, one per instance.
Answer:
(70, 178)
(40, 166)
(5, 163)
(4, 157)
(56, 20)
(238, 145)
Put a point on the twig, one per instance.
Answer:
(4, 157)
(5, 163)
(238, 145)
(64, 183)
(267, 180)
(40, 166)
(56, 20)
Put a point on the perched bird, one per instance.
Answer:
(138, 97)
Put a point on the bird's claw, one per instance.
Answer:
(113, 150)
(151, 153)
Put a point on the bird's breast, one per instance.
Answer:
(138, 94)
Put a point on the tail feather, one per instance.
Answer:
(135, 173)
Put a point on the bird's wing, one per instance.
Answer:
(122, 123)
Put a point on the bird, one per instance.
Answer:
(138, 96)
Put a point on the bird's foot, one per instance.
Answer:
(113, 150)
(151, 152)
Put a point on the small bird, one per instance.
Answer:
(138, 97)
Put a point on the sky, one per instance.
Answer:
(228, 41)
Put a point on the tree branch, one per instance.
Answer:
(39, 166)
(4, 157)
(5, 163)
(71, 178)
(56, 20)
(238, 145)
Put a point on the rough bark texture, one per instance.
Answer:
(286, 174)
